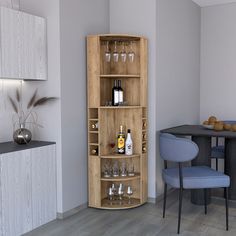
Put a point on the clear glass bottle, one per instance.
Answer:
(129, 144)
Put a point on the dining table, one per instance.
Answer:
(202, 136)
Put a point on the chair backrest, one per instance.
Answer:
(230, 122)
(177, 149)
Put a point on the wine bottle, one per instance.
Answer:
(121, 141)
(144, 137)
(121, 93)
(128, 144)
(144, 124)
(144, 149)
(115, 94)
(94, 126)
(94, 151)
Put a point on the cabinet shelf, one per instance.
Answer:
(120, 107)
(93, 132)
(124, 204)
(93, 144)
(119, 156)
(119, 76)
(120, 178)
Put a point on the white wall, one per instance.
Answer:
(178, 67)
(78, 18)
(218, 62)
(138, 17)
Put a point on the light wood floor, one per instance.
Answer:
(146, 221)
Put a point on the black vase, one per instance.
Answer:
(22, 135)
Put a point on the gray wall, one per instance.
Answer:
(138, 17)
(218, 62)
(78, 18)
(173, 30)
(178, 67)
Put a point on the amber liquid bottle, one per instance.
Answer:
(121, 141)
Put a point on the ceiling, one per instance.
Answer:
(204, 3)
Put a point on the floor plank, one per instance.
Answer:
(146, 221)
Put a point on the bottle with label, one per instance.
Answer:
(121, 141)
(120, 93)
(115, 94)
(94, 126)
(128, 144)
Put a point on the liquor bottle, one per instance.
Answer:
(128, 144)
(121, 93)
(94, 126)
(94, 151)
(115, 94)
(121, 141)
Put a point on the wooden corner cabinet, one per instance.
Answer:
(104, 120)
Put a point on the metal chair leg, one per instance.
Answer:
(205, 200)
(227, 208)
(164, 201)
(180, 207)
(216, 164)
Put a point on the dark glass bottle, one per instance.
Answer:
(115, 94)
(121, 93)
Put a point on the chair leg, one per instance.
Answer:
(227, 208)
(164, 202)
(216, 164)
(205, 200)
(180, 207)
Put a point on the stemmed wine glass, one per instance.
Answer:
(107, 53)
(131, 53)
(115, 53)
(129, 193)
(123, 53)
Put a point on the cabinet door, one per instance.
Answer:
(23, 45)
(10, 43)
(32, 47)
(16, 203)
(43, 185)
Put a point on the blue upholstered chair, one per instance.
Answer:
(218, 151)
(198, 177)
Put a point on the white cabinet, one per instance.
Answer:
(27, 189)
(23, 45)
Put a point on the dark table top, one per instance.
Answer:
(198, 130)
(14, 147)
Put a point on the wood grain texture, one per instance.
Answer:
(101, 76)
(28, 189)
(23, 45)
(43, 185)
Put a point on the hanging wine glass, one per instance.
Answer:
(123, 53)
(115, 53)
(131, 53)
(107, 53)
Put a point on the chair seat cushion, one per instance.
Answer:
(218, 152)
(196, 177)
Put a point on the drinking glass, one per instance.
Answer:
(115, 172)
(115, 53)
(129, 193)
(131, 53)
(123, 169)
(123, 53)
(107, 53)
(131, 170)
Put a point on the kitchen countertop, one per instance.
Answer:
(14, 147)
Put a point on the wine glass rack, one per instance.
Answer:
(106, 63)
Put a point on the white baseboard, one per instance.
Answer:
(71, 212)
